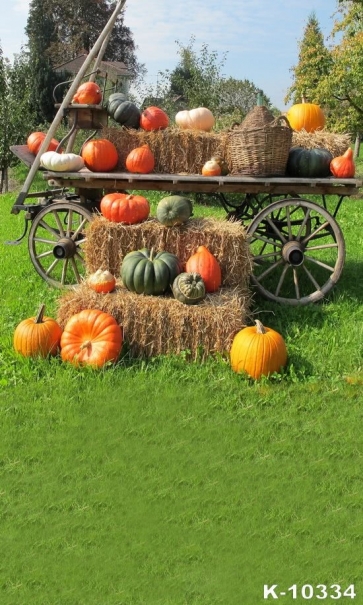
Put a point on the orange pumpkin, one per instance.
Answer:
(102, 281)
(211, 168)
(141, 160)
(154, 118)
(35, 140)
(343, 166)
(91, 337)
(206, 264)
(88, 93)
(306, 116)
(125, 208)
(99, 155)
(37, 336)
(258, 351)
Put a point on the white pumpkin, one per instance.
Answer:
(200, 118)
(61, 162)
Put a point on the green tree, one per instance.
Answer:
(341, 89)
(16, 115)
(314, 63)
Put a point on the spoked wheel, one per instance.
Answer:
(56, 237)
(298, 251)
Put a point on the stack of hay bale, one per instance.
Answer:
(157, 325)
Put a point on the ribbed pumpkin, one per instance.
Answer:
(144, 272)
(343, 166)
(206, 264)
(309, 163)
(153, 118)
(174, 210)
(61, 162)
(200, 118)
(102, 281)
(91, 337)
(99, 155)
(35, 140)
(258, 351)
(125, 208)
(88, 93)
(124, 112)
(140, 160)
(37, 336)
(306, 116)
(189, 288)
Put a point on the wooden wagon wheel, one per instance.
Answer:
(56, 238)
(298, 251)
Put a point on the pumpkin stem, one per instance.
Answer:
(260, 329)
(151, 254)
(39, 317)
(85, 345)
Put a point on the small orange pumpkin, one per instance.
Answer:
(125, 208)
(211, 168)
(140, 160)
(88, 93)
(37, 336)
(91, 337)
(102, 281)
(206, 264)
(343, 166)
(258, 351)
(35, 140)
(154, 118)
(99, 155)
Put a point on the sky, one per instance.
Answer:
(258, 38)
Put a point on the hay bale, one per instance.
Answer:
(161, 325)
(175, 150)
(108, 243)
(336, 143)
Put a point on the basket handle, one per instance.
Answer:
(279, 119)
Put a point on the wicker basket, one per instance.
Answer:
(261, 150)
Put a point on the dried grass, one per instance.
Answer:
(175, 150)
(107, 244)
(336, 143)
(160, 325)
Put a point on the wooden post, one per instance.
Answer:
(67, 99)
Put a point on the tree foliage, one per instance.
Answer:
(17, 118)
(313, 64)
(341, 90)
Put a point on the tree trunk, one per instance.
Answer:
(357, 145)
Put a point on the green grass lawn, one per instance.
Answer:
(164, 482)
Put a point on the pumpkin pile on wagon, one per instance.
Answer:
(172, 282)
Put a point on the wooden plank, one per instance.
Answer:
(117, 181)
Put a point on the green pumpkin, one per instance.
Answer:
(174, 210)
(144, 272)
(309, 163)
(122, 111)
(189, 288)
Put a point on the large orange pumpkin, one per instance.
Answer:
(99, 155)
(154, 118)
(258, 351)
(35, 140)
(208, 267)
(37, 336)
(140, 160)
(125, 208)
(91, 337)
(306, 116)
(88, 93)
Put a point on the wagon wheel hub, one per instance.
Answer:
(64, 248)
(293, 253)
